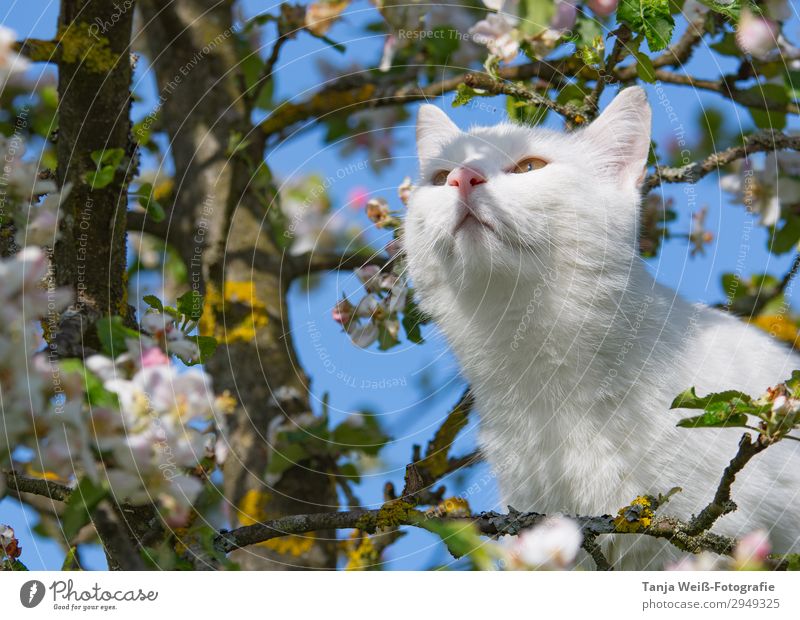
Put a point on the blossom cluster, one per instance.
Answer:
(140, 426)
(375, 317)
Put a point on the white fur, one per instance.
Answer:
(573, 351)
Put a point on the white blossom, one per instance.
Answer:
(553, 544)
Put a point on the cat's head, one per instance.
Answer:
(511, 200)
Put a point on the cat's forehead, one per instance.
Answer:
(504, 143)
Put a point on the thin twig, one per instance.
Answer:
(759, 142)
(722, 503)
(590, 104)
(594, 550)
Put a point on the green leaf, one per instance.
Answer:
(287, 457)
(465, 94)
(109, 157)
(715, 419)
(101, 177)
(645, 68)
(265, 99)
(727, 45)
(339, 47)
(153, 302)
(733, 286)
(785, 239)
(652, 18)
(535, 16)
(386, 340)
(349, 471)
(413, 318)
(768, 94)
(462, 540)
(112, 334)
(366, 437)
(442, 45)
(80, 505)
(190, 304)
(70, 560)
(731, 10)
(96, 393)
(690, 400)
(207, 345)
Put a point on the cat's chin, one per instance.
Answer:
(473, 226)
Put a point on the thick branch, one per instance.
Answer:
(37, 486)
(315, 262)
(352, 93)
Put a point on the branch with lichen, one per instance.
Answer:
(496, 86)
(352, 93)
(759, 142)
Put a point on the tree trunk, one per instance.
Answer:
(218, 224)
(94, 78)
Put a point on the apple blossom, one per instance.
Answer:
(757, 35)
(553, 544)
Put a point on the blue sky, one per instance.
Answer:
(426, 376)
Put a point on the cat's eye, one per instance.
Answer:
(440, 178)
(528, 164)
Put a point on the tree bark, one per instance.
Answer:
(94, 78)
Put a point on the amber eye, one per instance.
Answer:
(440, 178)
(528, 164)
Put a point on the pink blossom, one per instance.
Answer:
(498, 33)
(753, 548)
(757, 35)
(357, 197)
(565, 16)
(153, 356)
(603, 8)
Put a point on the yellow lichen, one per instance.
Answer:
(79, 45)
(639, 514)
(290, 545)
(43, 475)
(235, 292)
(252, 507)
(361, 552)
(779, 325)
(450, 507)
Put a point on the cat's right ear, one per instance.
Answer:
(619, 138)
(434, 128)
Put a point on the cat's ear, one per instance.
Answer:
(619, 138)
(434, 128)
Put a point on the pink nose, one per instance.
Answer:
(465, 179)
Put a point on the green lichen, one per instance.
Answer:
(394, 513)
(40, 50)
(79, 45)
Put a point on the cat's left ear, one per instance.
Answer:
(434, 128)
(620, 137)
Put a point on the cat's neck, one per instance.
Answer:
(573, 320)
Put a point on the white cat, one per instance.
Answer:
(522, 244)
